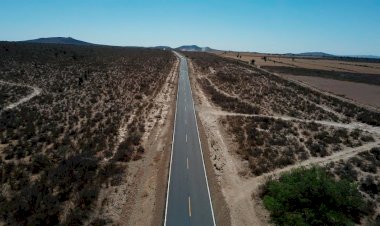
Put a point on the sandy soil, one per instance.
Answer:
(364, 93)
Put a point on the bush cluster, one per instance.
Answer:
(312, 197)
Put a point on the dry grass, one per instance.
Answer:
(269, 144)
(61, 148)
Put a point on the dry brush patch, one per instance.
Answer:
(259, 110)
(274, 95)
(268, 144)
(53, 147)
(337, 75)
(10, 94)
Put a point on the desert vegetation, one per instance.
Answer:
(337, 75)
(275, 125)
(59, 149)
(10, 94)
(273, 95)
(362, 169)
(269, 144)
(312, 197)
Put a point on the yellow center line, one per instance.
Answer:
(189, 207)
(187, 163)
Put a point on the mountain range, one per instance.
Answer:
(59, 40)
(195, 48)
(72, 41)
(311, 54)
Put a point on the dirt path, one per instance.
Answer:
(352, 125)
(348, 153)
(36, 91)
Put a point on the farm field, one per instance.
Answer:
(259, 125)
(304, 62)
(362, 93)
(77, 125)
(355, 79)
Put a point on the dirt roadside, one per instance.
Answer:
(140, 200)
(238, 206)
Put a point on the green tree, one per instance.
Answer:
(311, 197)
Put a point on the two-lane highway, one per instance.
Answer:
(188, 199)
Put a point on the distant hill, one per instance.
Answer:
(162, 47)
(331, 56)
(194, 48)
(59, 40)
(310, 54)
(316, 54)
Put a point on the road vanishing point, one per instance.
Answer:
(188, 200)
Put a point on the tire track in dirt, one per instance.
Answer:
(36, 91)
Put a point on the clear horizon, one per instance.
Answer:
(336, 27)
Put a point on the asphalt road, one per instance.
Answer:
(188, 198)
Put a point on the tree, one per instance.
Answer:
(311, 197)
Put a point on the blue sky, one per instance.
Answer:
(276, 26)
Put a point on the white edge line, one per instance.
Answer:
(200, 145)
(171, 155)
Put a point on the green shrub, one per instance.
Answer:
(311, 197)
